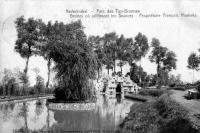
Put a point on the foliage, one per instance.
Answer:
(174, 80)
(44, 47)
(141, 44)
(121, 64)
(174, 118)
(12, 84)
(193, 61)
(40, 87)
(110, 50)
(122, 48)
(152, 79)
(27, 37)
(161, 116)
(74, 61)
(165, 60)
(96, 43)
(135, 73)
(142, 118)
(198, 87)
(142, 47)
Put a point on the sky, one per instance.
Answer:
(179, 34)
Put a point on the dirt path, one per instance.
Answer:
(193, 106)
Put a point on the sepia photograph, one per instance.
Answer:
(99, 66)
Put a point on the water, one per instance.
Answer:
(107, 114)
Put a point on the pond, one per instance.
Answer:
(109, 111)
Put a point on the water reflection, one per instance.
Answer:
(35, 115)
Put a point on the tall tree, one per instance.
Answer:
(131, 51)
(27, 38)
(47, 37)
(74, 62)
(134, 74)
(141, 46)
(96, 43)
(193, 63)
(121, 64)
(110, 50)
(123, 50)
(165, 59)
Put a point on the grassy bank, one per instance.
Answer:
(163, 115)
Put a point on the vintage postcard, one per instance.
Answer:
(100, 66)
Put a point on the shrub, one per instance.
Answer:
(178, 125)
(161, 116)
(59, 93)
(174, 118)
(143, 118)
(168, 108)
(172, 85)
(198, 88)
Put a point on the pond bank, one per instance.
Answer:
(25, 98)
(136, 97)
(163, 114)
(140, 97)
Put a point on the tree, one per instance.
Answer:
(47, 37)
(39, 84)
(141, 47)
(121, 64)
(75, 63)
(193, 63)
(96, 43)
(153, 79)
(8, 81)
(110, 50)
(134, 75)
(131, 51)
(174, 80)
(165, 59)
(27, 38)
(124, 52)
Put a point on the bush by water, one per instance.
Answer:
(161, 116)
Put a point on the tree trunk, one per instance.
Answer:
(114, 66)
(26, 68)
(25, 72)
(193, 76)
(121, 69)
(98, 75)
(130, 63)
(49, 67)
(140, 73)
(158, 75)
